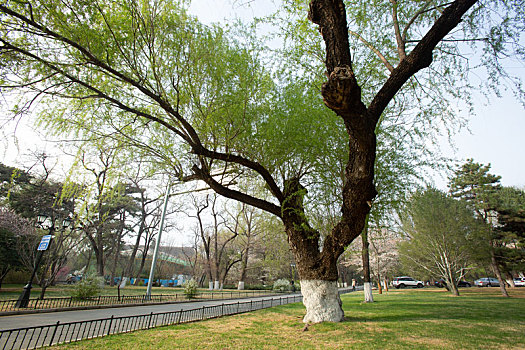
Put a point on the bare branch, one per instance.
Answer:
(374, 49)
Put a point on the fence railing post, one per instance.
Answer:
(238, 304)
(54, 332)
(180, 316)
(149, 321)
(110, 324)
(202, 315)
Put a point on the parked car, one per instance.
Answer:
(405, 281)
(441, 283)
(487, 282)
(519, 282)
(464, 284)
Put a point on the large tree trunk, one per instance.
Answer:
(142, 263)
(450, 282)
(342, 94)
(99, 255)
(317, 267)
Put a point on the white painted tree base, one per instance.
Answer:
(322, 301)
(217, 285)
(367, 287)
(210, 285)
(241, 285)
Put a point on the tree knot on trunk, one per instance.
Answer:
(294, 194)
(341, 93)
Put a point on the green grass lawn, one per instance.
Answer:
(407, 319)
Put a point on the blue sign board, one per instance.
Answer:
(44, 243)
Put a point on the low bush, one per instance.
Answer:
(89, 286)
(282, 285)
(190, 288)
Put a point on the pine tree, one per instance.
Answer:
(473, 183)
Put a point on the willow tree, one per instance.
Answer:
(200, 101)
(441, 232)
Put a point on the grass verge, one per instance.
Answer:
(13, 291)
(408, 319)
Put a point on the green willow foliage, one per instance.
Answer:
(97, 69)
(442, 232)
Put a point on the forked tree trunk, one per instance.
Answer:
(317, 267)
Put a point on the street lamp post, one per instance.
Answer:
(157, 244)
(23, 300)
(292, 266)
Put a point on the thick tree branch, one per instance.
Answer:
(341, 93)
(234, 194)
(228, 157)
(330, 15)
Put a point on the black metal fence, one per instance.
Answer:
(70, 302)
(58, 333)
